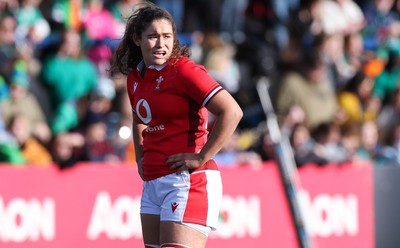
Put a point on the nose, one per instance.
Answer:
(160, 41)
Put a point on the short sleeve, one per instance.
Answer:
(130, 86)
(196, 82)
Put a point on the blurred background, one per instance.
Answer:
(333, 68)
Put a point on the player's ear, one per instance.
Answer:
(136, 40)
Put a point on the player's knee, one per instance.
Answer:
(173, 245)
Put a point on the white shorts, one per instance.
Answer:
(192, 198)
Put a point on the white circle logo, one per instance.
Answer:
(143, 103)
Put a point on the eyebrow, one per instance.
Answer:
(157, 34)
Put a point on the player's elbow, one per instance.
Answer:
(235, 114)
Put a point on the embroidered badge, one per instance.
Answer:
(158, 80)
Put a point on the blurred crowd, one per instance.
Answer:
(332, 67)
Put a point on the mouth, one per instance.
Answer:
(159, 53)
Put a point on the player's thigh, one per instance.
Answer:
(173, 232)
(151, 228)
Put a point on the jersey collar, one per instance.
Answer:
(140, 66)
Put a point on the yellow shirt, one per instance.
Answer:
(350, 103)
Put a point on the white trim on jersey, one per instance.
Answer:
(211, 95)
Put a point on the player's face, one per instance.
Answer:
(156, 42)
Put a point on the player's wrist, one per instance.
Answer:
(203, 158)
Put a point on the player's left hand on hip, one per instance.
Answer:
(184, 161)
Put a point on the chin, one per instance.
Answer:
(159, 62)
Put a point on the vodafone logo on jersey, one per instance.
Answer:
(143, 111)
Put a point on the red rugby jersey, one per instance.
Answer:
(171, 101)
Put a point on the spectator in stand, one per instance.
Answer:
(304, 147)
(23, 102)
(232, 20)
(351, 141)
(309, 88)
(295, 116)
(321, 18)
(390, 152)
(102, 96)
(100, 125)
(8, 5)
(355, 100)
(353, 49)
(338, 16)
(34, 152)
(100, 54)
(9, 148)
(66, 149)
(4, 91)
(380, 22)
(265, 147)
(98, 147)
(259, 48)
(219, 60)
(32, 27)
(67, 14)
(389, 80)
(394, 40)
(121, 9)
(353, 15)
(68, 75)
(282, 11)
(99, 23)
(333, 55)
(8, 50)
(370, 147)
(389, 115)
(196, 10)
(329, 17)
(328, 143)
(302, 29)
